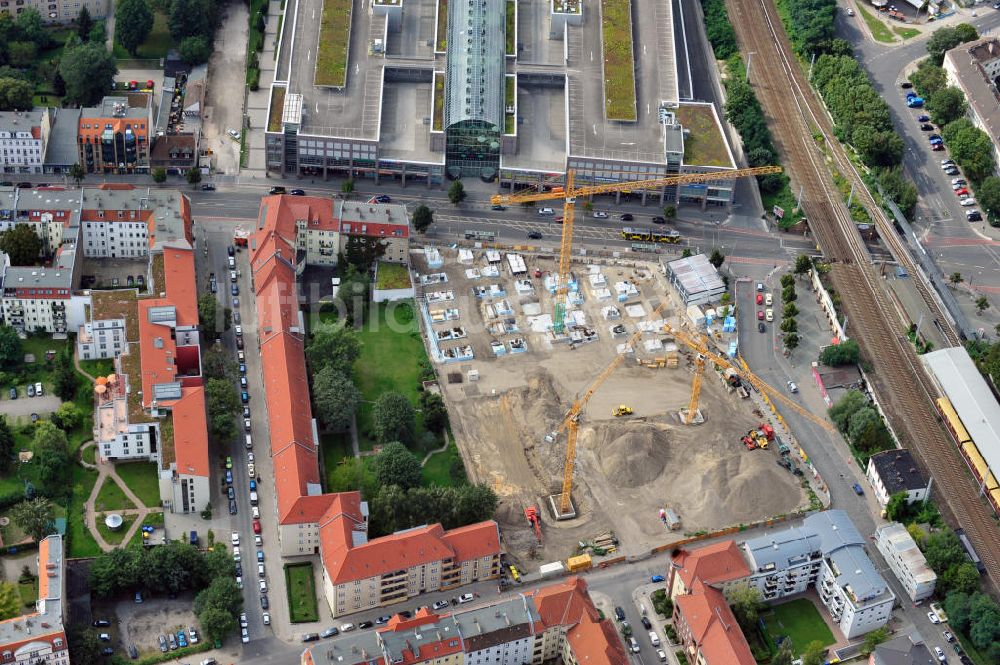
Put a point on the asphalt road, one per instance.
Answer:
(956, 245)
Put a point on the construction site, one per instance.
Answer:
(641, 477)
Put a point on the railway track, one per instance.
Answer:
(795, 115)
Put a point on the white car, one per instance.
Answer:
(236, 554)
(466, 598)
(258, 541)
(236, 538)
(251, 471)
(968, 202)
(946, 162)
(600, 215)
(266, 618)
(239, 582)
(792, 388)
(255, 512)
(933, 617)
(250, 458)
(940, 655)
(347, 627)
(263, 586)
(239, 331)
(440, 605)
(261, 573)
(659, 652)
(241, 356)
(768, 299)
(244, 635)
(958, 181)
(850, 12)
(233, 134)
(243, 620)
(769, 314)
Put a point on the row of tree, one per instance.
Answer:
(789, 325)
(837, 355)
(859, 421)
(719, 30)
(174, 568)
(744, 112)
(811, 27)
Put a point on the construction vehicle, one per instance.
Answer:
(766, 430)
(531, 513)
(762, 441)
(749, 441)
(569, 193)
(692, 409)
(701, 347)
(621, 410)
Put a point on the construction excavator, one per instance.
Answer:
(535, 520)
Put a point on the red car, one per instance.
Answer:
(962, 192)
(760, 315)
(937, 147)
(760, 299)
(256, 526)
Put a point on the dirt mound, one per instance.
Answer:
(635, 454)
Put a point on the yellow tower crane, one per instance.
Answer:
(699, 372)
(569, 194)
(701, 347)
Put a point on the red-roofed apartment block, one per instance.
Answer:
(39, 636)
(357, 573)
(552, 623)
(719, 564)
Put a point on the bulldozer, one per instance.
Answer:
(622, 410)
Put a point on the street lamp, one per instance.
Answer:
(749, 60)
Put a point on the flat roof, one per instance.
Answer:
(705, 143)
(982, 98)
(972, 398)
(695, 274)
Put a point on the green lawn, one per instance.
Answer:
(437, 471)
(336, 446)
(392, 276)
(301, 588)
(879, 29)
(156, 45)
(800, 621)
(141, 479)
(89, 455)
(390, 361)
(97, 368)
(81, 543)
(115, 537)
(907, 33)
(29, 593)
(111, 497)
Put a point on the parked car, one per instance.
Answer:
(383, 198)
(627, 217)
(760, 298)
(948, 636)
(38, 389)
(974, 216)
(940, 655)
(232, 506)
(923, 118)
(927, 127)
(276, 190)
(534, 235)
(233, 134)
(330, 632)
(792, 388)
(466, 598)
(760, 315)
(440, 605)
(244, 635)
(769, 314)
(962, 191)
(656, 579)
(163, 643)
(263, 602)
(346, 627)
(30, 390)
(933, 617)
(364, 625)
(601, 215)
(646, 623)
(310, 637)
(13, 393)
(857, 489)
(546, 212)
(297, 192)
(266, 618)
(905, 85)
(965, 203)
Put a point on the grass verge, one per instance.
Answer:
(800, 621)
(141, 479)
(619, 64)
(301, 588)
(334, 43)
(115, 537)
(906, 33)
(880, 31)
(81, 543)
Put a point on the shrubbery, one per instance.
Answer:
(719, 30)
(744, 112)
(861, 424)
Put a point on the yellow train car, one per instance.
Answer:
(980, 466)
(952, 420)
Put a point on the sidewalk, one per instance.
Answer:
(258, 100)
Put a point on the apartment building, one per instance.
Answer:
(894, 471)
(905, 560)
(708, 629)
(23, 138)
(826, 553)
(385, 222)
(38, 637)
(558, 621)
(720, 565)
(902, 650)
(114, 136)
(57, 11)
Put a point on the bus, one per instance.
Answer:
(669, 236)
(481, 236)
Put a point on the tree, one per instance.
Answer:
(985, 628)
(845, 353)
(945, 39)
(928, 78)
(847, 406)
(898, 507)
(814, 654)
(84, 24)
(11, 354)
(434, 411)
(175, 567)
(64, 375)
(217, 363)
(208, 315)
(788, 294)
(686, 252)
(958, 605)
(336, 348)
(21, 244)
(393, 418)
(789, 325)
(363, 252)
(217, 623)
(77, 172)
(353, 296)
(899, 188)
(35, 518)
(946, 105)
(873, 639)
(456, 192)
(7, 445)
(88, 70)
(347, 186)
(336, 398)
(84, 645)
(787, 281)
(10, 601)
(30, 26)
(791, 341)
(803, 264)
(790, 310)
(669, 212)
(52, 453)
(717, 258)
(67, 417)
(98, 35)
(195, 50)
(964, 578)
(784, 655)
(133, 23)
(159, 175)
(956, 278)
(190, 18)
(15, 94)
(422, 218)
(988, 194)
(22, 54)
(982, 304)
(395, 465)
(222, 594)
(223, 404)
(193, 175)
(943, 550)
(746, 602)
(115, 571)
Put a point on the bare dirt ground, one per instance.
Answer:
(626, 468)
(142, 624)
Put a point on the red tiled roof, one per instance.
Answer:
(191, 433)
(474, 541)
(713, 564)
(181, 288)
(157, 351)
(593, 640)
(399, 551)
(713, 627)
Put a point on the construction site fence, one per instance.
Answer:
(673, 251)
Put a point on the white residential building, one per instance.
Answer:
(827, 553)
(101, 339)
(905, 560)
(894, 471)
(23, 135)
(38, 637)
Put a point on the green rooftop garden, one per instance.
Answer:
(277, 107)
(442, 27)
(391, 276)
(619, 65)
(437, 124)
(511, 27)
(567, 6)
(704, 145)
(510, 96)
(334, 43)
